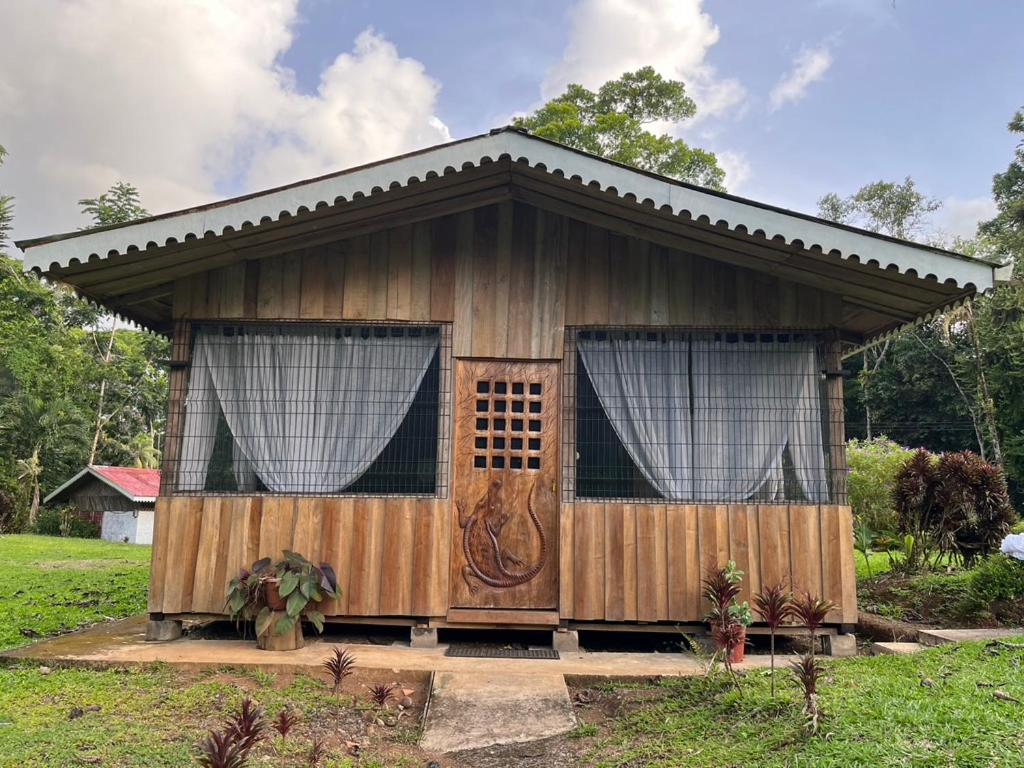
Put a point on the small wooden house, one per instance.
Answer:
(500, 382)
(119, 501)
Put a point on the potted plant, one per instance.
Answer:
(728, 617)
(277, 596)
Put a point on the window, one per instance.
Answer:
(700, 417)
(313, 409)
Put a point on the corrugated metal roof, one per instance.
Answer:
(138, 485)
(684, 200)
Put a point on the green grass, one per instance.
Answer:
(877, 714)
(152, 718)
(50, 585)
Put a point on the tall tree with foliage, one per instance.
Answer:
(118, 205)
(889, 208)
(6, 210)
(616, 120)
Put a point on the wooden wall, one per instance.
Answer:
(391, 555)
(644, 562)
(509, 277)
(617, 562)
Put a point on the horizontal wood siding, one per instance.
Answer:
(644, 562)
(510, 277)
(391, 555)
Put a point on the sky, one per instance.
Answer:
(196, 101)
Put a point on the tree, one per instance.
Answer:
(614, 122)
(1003, 235)
(888, 207)
(118, 205)
(6, 211)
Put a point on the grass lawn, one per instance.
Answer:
(50, 585)
(878, 713)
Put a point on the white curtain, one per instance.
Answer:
(201, 414)
(642, 384)
(310, 409)
(752, 399)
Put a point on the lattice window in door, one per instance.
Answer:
(510, 421)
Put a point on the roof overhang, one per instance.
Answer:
(130, 268)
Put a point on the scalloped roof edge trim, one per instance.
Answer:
(688, 201)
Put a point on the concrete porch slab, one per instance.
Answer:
(933, 637)
(474, 710)
(895, 649)
(122, 643)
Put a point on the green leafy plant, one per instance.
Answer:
(864, 542)
(873, 467)
(341, 664)
(284, 591)
(775, 606)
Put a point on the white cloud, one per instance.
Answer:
(809, 66)
(959, 217)
(609, 37)
(737, 169)
(185, 99)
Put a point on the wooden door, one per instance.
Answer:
(505, 545)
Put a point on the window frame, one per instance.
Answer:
(834, 451)
(179, 388)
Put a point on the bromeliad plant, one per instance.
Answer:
(284, 591)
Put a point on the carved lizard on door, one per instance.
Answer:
(481, 542)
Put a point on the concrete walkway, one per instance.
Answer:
(474, 710)
(122, 643)
(934, 637)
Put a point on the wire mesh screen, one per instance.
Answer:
(704, 417)
(314, 410)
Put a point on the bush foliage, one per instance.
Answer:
(873, 467)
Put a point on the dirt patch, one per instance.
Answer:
(933, 600)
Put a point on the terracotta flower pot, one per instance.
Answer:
(273, 597)
(739, 653)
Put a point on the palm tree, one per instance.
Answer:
(29, 472)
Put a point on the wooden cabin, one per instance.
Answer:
(119, 501)
(504, 383)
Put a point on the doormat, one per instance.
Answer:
(476, 652)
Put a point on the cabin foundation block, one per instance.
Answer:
(565, 640)
(423, 637)
(162, 630)
(840, 645)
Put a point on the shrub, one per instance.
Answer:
(873, 467)
(997, 579)
(916, 511)
(62, 521)
(975, 506)
(12, 516)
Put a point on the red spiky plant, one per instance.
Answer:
(317, 754)
(340, 665)
(230, 747)
(811, 611)
(720, 588)
(220, 750)
(248, 727)
(285, 721)
(382, 693)
(775, 606)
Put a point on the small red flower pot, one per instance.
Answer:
(739, 653)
